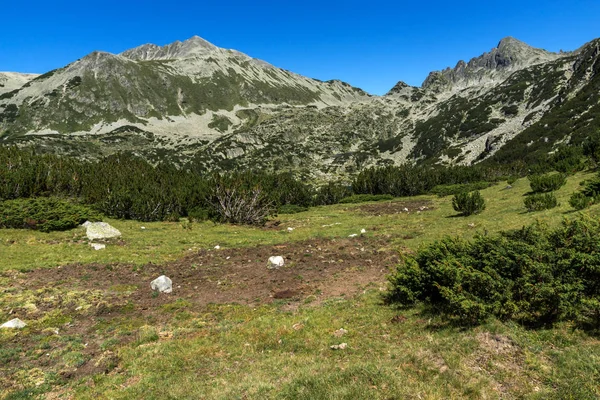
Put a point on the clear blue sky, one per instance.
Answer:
(370, 44)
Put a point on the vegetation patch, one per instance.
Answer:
(44, 214)
(534, 275)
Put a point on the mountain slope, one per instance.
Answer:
(152, 84)
(10, 81)
(223, 109)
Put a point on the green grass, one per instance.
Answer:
(266, 353)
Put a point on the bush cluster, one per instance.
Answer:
(468, 203)
(589, 194)
(534, 275)
(44, 214)
(546, 183)
(540, 201)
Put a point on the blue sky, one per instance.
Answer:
(369, 44)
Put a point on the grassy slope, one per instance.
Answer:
(230, 351)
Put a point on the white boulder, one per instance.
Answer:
(275, 262)
(13, 324)
(100, 230)
(98, 246)
(163, 284)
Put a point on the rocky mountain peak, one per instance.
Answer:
(510, 55)
(192, 47)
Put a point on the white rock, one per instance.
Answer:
(162, 284)
(290, 229)
(340, 346)
(405, 209)
(143, 227)
(101, 230)
(217, 247)
(275, 262)
(353, 235)
(363, 231)
(13, 324)
(98, 246)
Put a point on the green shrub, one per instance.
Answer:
(332, 193)
(534, 276)
(363, 198)
(579, 201)
(468, 203)
(199, 214)
(449, 190)
(291, 209)
(540, 201)
(44, 214)
(546, 183)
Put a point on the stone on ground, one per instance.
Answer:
(100, 230)
(163, 284)
(13, 324)
(98, 246)
(275, 262)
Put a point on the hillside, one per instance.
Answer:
(194, 101)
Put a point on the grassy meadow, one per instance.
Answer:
(86, 339)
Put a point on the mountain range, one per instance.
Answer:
(222, 109)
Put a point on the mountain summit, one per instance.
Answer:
(194, 46)
(489, 68)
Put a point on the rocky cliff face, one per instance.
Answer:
(194, 101)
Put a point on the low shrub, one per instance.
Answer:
(363, 198)
(546, 183)
(540, 201)
(332, 193)
(44, 214)
(449, 190)
(199, 214)
(579, 201)
(468, 203)
(534, 276)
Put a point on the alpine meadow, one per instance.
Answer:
(189, 222)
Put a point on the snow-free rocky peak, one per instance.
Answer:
(507, 57)
(193, 47)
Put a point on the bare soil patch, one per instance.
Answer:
(119, 295)
(396, 207)
(319, 267)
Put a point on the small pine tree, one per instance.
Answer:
(468, 203)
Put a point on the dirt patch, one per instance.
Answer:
(79, 314)
(322, 268)
(396, 207)
(499, 356)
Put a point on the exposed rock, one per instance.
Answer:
(275, 262)
(162, 284)
(98, 246)
(100, 230)
(340, 346)
(13, 324)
